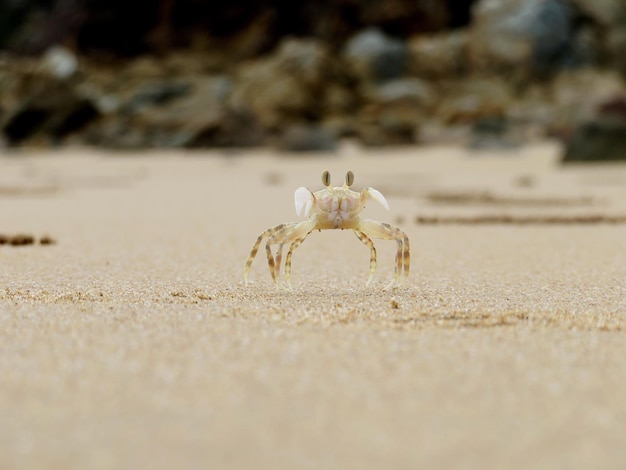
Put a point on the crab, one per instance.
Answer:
(332, 208)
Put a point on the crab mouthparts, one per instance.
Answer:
(338, 217)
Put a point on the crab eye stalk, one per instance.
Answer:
(326, 178)
(349, 178)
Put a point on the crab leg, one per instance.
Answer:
(301, 230)
(277, 238)
(292, 248)
(367, 241)
(390, 232)
(255, 248)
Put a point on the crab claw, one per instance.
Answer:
(304, 201)
(377, 196)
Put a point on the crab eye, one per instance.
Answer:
(326, 178)
(349, 178)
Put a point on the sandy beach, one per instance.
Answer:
(132, 342)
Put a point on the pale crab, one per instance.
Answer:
(332, 208)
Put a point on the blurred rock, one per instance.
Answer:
(495, 42)
(39, 107)
(406, 17)
(307, 138)
(576, 96)
(614, 107)
(156, 94)
(60, 62)
(603, 12)
(610, 18)
(194, 74)
(475, 99)
(616, 45)
(375, 56)
(382, 127)
(233, 129)
(178, 114)
(603, 139)
(414, 90)
(395, 123)
(36, 26)
(493, 133)
(531, 36)
(395, 112)
(439, 56)
(21, 239)
(301, 82)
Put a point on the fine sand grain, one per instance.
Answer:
(131, 342)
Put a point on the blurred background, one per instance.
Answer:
(302, 76)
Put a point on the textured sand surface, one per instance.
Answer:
(132, 342)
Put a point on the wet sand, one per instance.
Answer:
(132, 342)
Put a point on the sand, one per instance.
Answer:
(132, 342)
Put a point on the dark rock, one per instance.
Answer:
(535, 36)
(300, 82)
(473, 100)
(51, 108)
(233, 129)
(21, 240)
(44, 100)
(115, 132)
(190, 114)
(414, 91)
(395, 112)
(388, 124)
(551, 29)
(387, 132)
(375, 56)
(442, 55)
(307, 138)
(603, 12)
(616, 45)
(603, 139)
(493, 126)
(575, 97)
(44, 24)
(47, 240)
(406, 17)
(156, 94)
(615, 107)
(493, 133)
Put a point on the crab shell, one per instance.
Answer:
(335, 208)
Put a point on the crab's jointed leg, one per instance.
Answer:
(386, 231)
(255, 248)
(277, 238)
(299, 231)
(367, 241)
(292, 248)
(280, 234)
